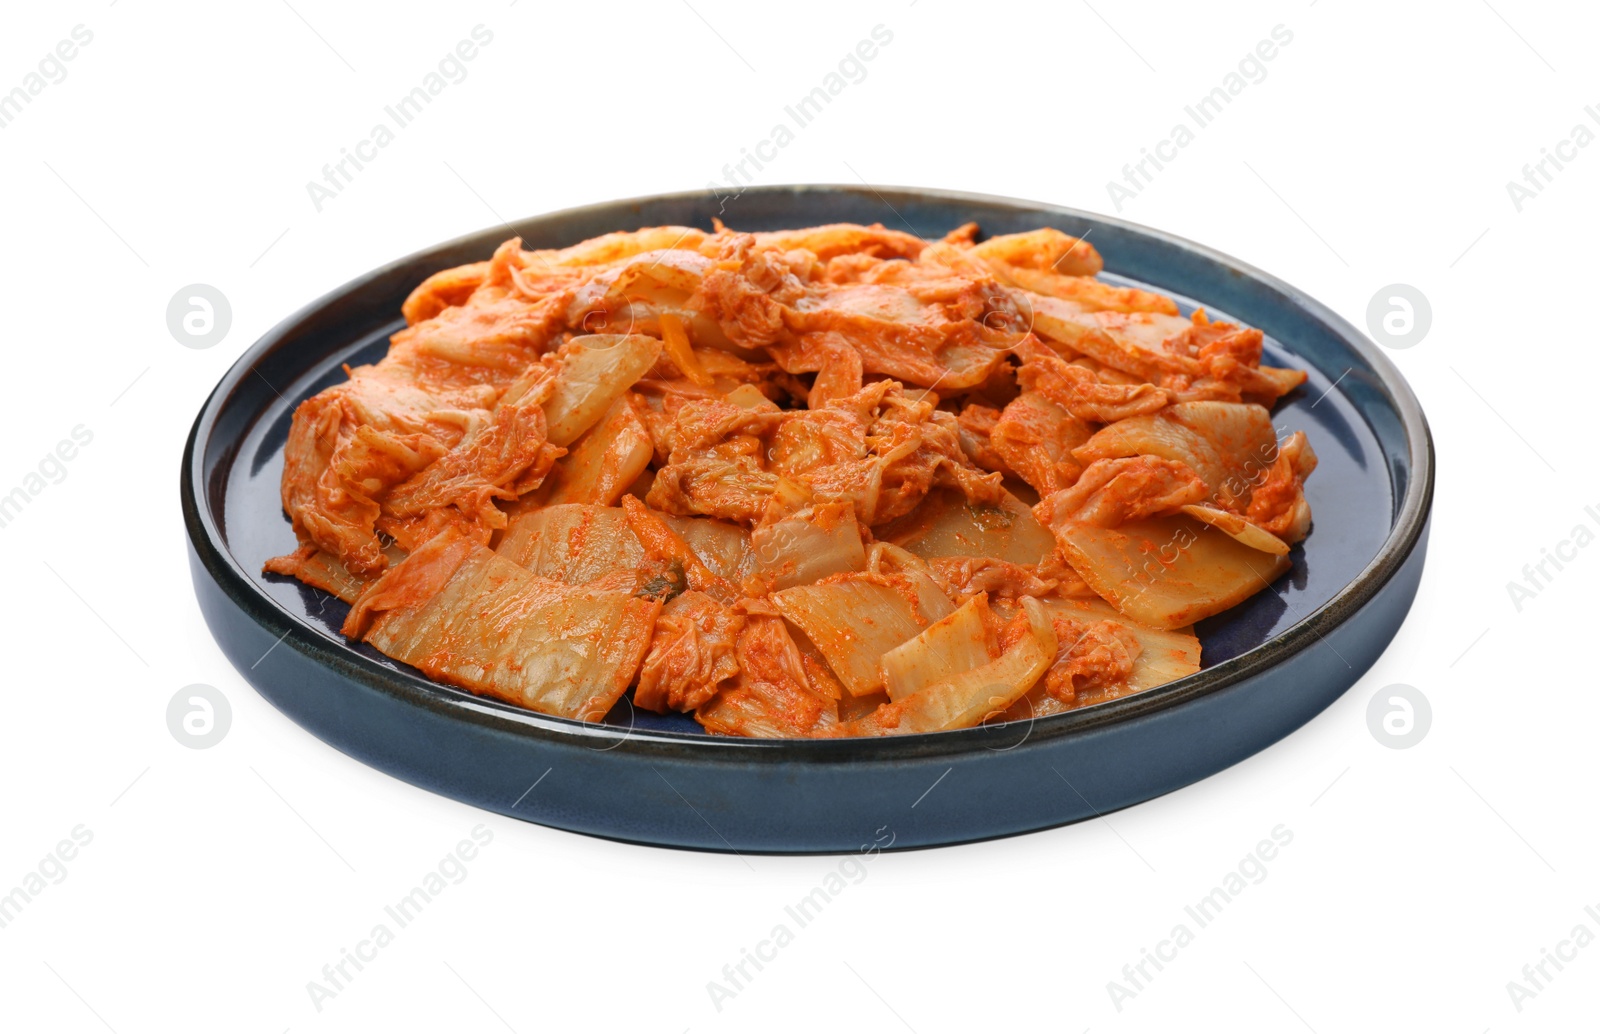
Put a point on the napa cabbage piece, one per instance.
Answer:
(723, 547)
(594, 372)
(1045, 248)
(928, 600)
(1165, 655)
(911, 575)
(946, 524)
(1112, 492)
(748, 396)
(497, 458)
(952, 645)
(675, 338)
(1230, 445)
(322, 570)
(963, 577)
(614, 247)
(446, 288)
(1034, 437)
(831, 240)
(1129, 342)
(671, 565)
(898, 334)
(1166, 571)
(1238, 529)
(1052, 263)
(694, 650)
(1168, 654)
(810, 545)
(668, 274)
(1093, 295)
(577, 543)
(969, 698)
(574, 542)
(774, 695)
(605, 461)
(854, 620)
(1278, 504)
(465, 615)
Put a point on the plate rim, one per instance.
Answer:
(1408, 524)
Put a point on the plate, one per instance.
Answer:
(1270, 664)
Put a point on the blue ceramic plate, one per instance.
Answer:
(1270, 665)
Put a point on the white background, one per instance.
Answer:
(220, 881)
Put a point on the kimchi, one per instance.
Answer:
(833, 481)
